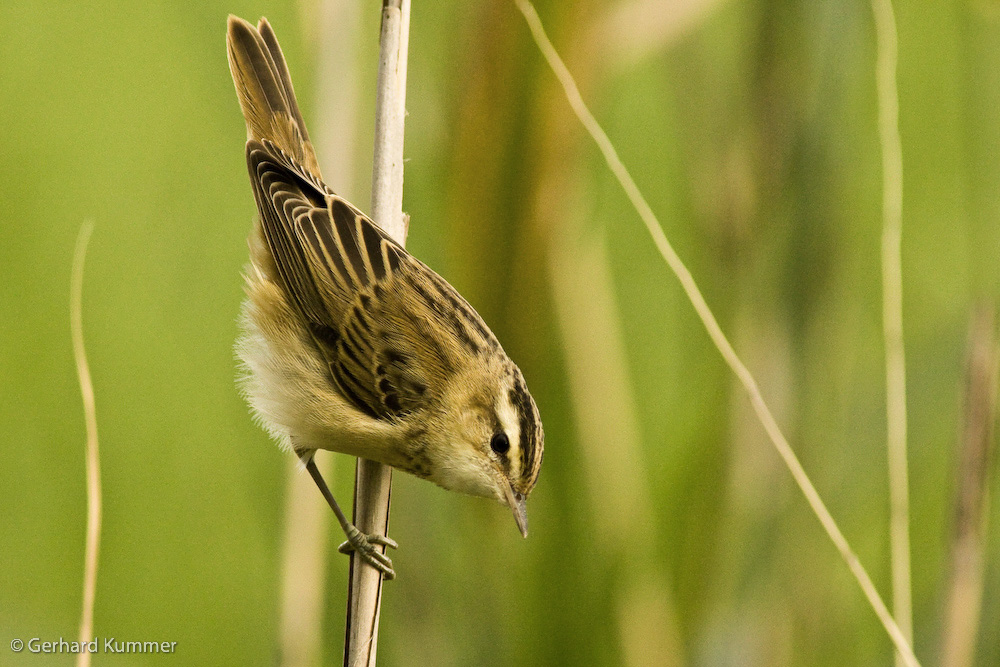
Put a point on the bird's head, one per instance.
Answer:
(487, 439)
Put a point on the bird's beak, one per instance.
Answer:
(518, 505)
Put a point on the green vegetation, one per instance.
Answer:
(663, 521)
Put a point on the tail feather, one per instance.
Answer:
(265, 91)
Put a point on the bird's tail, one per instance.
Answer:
(265, 91)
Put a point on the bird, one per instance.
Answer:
(349, 343)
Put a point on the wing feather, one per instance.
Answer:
(318, 235)
(342, 274)
(274, 186)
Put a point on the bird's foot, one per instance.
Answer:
(366, 546)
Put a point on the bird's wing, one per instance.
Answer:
(284, 192)
(346, 278)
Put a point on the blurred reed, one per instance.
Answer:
(976, 452)
(715, 332)
(626, 32)
(608, 433)
(892, 314)
(750, 126)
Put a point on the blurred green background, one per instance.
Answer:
(665, 530)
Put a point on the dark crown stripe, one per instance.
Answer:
(520, 398)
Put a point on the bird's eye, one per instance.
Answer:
(499, 443)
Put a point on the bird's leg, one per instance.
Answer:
(364, 545)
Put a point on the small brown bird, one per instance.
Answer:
(351, 344)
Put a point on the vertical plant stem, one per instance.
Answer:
(964, 596)
(390, 114)
(93, 456)
(372, 485)
(892, 313)
(704, 313)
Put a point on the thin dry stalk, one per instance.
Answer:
(93, 456)
(972, 502)
(372, 484)
(390, 114)
(892, 314)
(714, 331)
